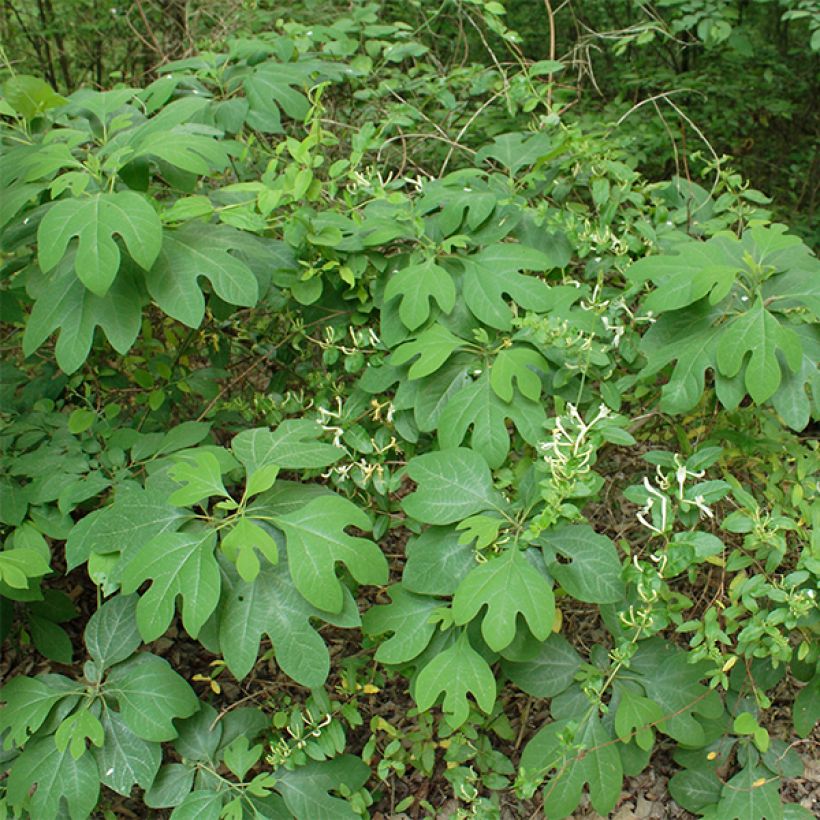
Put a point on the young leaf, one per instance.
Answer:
(30, 96)
(506, 585)
(519, 364)
(240, 756)
(452, 485)
(19, 566)
(181, 563)
(200, 804)
(455, 673)
(242, 543)
(594, 571)
(202, 476)
(94, 221)
(150, 696)
(317, 541)
(57, 776)
(408, 618)
(72, 733)
(432, 346)
(417, 285)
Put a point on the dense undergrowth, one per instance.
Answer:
(380, 435)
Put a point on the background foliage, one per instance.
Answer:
(407, 407)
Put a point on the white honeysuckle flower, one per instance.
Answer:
(700, 503)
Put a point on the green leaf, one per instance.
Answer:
(684, 278)
(417, 285)
(94, 221)
(696, 788)
(30, 96)
(597, 764)
(242, 543)
(432, 347)
(593, 573)
(480, 530)
(455, 673)
(136, 516)
(57, 776)
(305, 788)
(752, 794)
(184, 149)
(451, 485)
(408, 618)
(690, 338)
(549, 672)
(477, 406)
(63, 303)
(519, 364)
(80, 420)
(271, 606)
(270, 87)
(806, 709)
(150, 696)
(437, 561)
(178, 564)
(28, 702)
(125, 760)
(111, 634)
(517, 150)
(72, 733)
(240, 756)
(674, 684)
(634, 716)
(18, 566)
(507, 585)
(293, 445)
(170, 786)
(745, 724)
(201, 474)
(196, 250)
(317, 541)
(493, 272)
(759, 333)
(200, 804)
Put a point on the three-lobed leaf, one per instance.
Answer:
(177, 564)
(455, 673)
(417, 285)
(317, 541)
(507, 585)
(95, 221)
